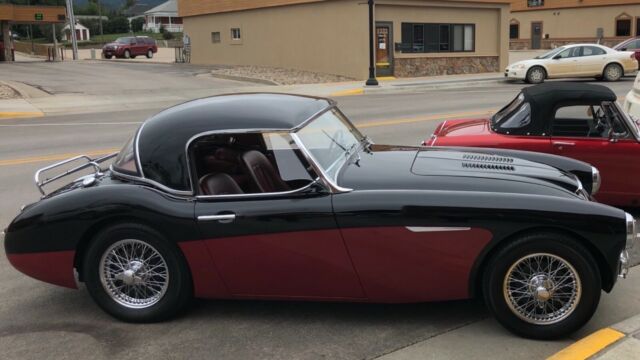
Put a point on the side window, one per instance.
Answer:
(592, 51)
(567, 53)
(581, 121)
(520, 119)
(249, 163)
(634, 45)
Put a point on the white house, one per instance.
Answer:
(166, 15)
(82, 33)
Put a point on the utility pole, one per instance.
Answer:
(100, 19)
(55, 42)
(72, 29)
(372, 81)
(33, 47)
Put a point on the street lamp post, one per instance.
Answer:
(372, 56)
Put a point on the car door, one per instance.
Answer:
(615, 157)
(591, 61)
(564, 64)
(279, 244)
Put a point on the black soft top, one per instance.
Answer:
(545, 99)
(162, 140)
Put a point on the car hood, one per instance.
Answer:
(112, 44)
(410, 168)
(527, 63)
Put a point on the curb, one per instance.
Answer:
(244, 79)
(598, 344)
(456, 84)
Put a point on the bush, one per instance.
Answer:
(116, 25)
(167, 35)
(137, 24)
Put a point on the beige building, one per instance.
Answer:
(540, 24)
(412, 37)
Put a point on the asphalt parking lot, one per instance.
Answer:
(43, 321)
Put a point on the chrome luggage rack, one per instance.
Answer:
(94, 163)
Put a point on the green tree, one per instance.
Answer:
(116, 25)
(137, 24)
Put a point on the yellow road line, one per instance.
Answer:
(425, 118)
(348, 92)
(386, 78)
(56, 157)
(20, 114)
(589, 346)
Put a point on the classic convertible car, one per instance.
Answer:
(580, 121)
(267, 196)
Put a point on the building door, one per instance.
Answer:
(384, 49)
(536, 35)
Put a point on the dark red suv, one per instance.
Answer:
(130, 47)
(632, 44)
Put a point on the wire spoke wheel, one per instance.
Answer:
(542, 289)
(134, 274)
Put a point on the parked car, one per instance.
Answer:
(580, 121)
(273, 196)
(579, 60)
(130, 47)
(632, 100)
(632, 45)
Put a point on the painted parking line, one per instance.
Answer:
(20, 114)
(55, 157)
(347, 92)
(588, 346)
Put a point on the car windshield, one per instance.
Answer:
(551, 53)
(331, 140)
(122, 40)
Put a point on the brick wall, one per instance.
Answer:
(430, 66)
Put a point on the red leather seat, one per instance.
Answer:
(219, 184)
(261, 173)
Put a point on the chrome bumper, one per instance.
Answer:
(623, 264)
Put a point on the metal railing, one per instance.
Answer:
(90, 163)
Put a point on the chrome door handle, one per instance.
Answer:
(222, 218)
(563, 143)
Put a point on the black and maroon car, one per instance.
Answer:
(271, 196)
(130, 47)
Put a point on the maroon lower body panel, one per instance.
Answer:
(207, 283)
(304, 264)
(52, 267)
(399, 265)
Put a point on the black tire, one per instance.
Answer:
(613, 72)
(536, 75)
(133, 56)
(108, 56)
(562, 247)
(179, 289)
(127, 54)
(149, 54)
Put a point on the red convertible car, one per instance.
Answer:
(580, 121)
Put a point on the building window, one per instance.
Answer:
(430, 38)
(623, 27)
(638, 26)
(535, 3)
(215, 37)
(235, 34)
(514, 31)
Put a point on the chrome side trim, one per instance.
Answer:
(420, 229)
(151, 183)
(137, 149)
(258, 195)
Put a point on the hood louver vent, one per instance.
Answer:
(487, 158)
(501, 167)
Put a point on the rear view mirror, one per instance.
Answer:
(557, 57)
(623, 49)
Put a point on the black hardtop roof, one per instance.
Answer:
(162, 139)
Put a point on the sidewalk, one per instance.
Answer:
(38, 102)
(617, 342)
